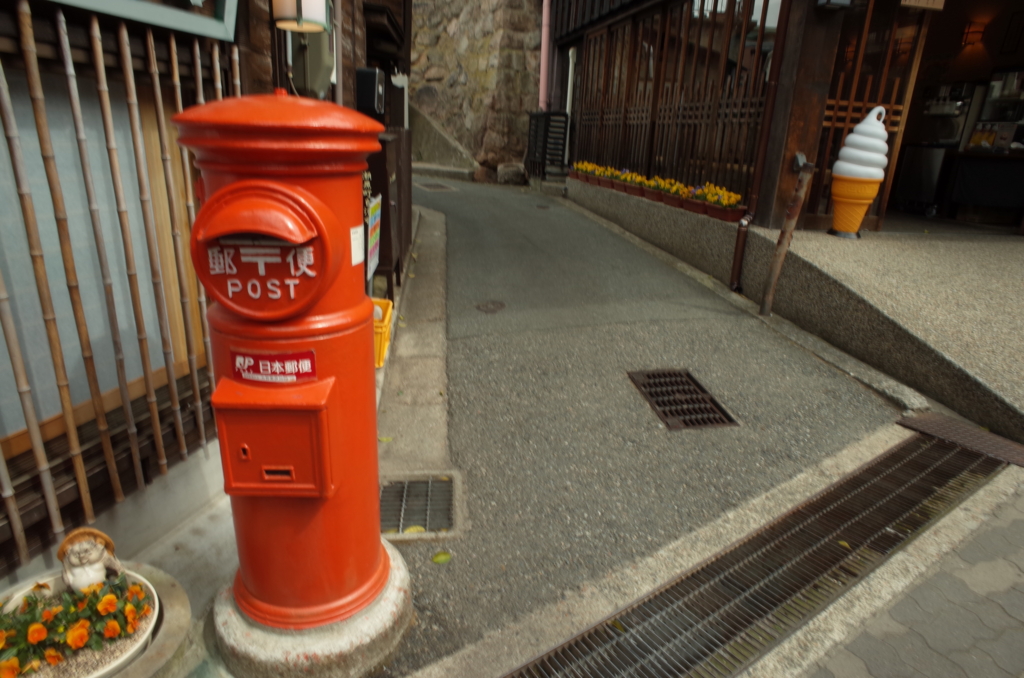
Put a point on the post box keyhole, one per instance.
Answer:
(245, 452)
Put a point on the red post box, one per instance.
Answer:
(278, 246)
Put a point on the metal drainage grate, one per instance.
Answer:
(436, 187)
(412, 506)
(680, 400)
(722, 616)
(966, 435)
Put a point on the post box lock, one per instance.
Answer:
(266, 251)
(274, 442)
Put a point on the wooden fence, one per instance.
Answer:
(95, 178)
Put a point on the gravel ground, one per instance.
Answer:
(961, 293)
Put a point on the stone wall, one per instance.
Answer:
(476, 69)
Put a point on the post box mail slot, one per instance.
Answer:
(273, 441)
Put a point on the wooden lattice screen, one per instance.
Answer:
(678, 91)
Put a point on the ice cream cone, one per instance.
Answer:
(851, 198)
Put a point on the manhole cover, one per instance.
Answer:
(490, 306)
(721, 617)
(416, 506)
(435, 187)
(679, 399)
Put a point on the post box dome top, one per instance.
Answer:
(277, 129)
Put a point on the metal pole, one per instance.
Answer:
(28, 213)
(151, 237)
(129, 255)
(35, 85)
(179, 255)
(806, 170)
(108, 286)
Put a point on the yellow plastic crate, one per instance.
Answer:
(381, 331)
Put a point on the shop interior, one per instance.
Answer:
(960, 166)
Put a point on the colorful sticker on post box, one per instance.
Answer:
(276, 368)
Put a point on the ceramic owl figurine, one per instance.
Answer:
(87, 554)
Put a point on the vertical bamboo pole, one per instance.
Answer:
(190, 207)
(236, 77)
(28, 47)
(151, 237)
(25, 391)
(129, 255)
(197, 70)
(108, 288)
(179, 255)
(28, 213)
(218, 90)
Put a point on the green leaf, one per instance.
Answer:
(441, 557)
(8, 653)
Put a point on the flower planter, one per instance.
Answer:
(136, 644)
(633, 189)
(731, 214)
(698, 206)
(673, 200)
(573, 174)
(604, 183)
(619, 186)
(654, 194)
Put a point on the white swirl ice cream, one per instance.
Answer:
(863, 155)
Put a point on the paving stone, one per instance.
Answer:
(991, 576)
(1014, 533)
(1012, 601)
(844, 664)
(883, 625)
(822, 672)
(1017, 559)
(956, 629)
(993, 615)
(996, 543)
(1007, 651)
(954, 588)
(974, 552)
(880, 658)
(913, 649)
(977, 664)
(931, 599)
(908, 612)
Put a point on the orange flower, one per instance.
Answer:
(82, 603)
(146, 609)
(112, 629)
(10, 668)
(94, 588)
(107, 604)
(49, 614)
(53, 657)
(3, 639)
(131, 618)
(135, 592)
(36, 633)
(78, 635)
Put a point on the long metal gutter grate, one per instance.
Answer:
(721, 617)
(415, 506)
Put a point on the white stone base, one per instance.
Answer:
(352, 647)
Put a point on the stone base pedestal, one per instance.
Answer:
(353, 647)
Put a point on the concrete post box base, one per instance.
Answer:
(352, 647)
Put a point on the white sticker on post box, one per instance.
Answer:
(280, 368)
(358, 245)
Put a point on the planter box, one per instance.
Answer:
(697, 206)
(654, 194)
(673, 200)
(604, 183)
(573, 174)
(633, 189)
(730, 214)
(619, 186)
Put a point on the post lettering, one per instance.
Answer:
(273, 288)
(254, 289)
(291, 283)
(234, 285)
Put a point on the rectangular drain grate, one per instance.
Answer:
(721, 617)
(416, 506)
(679, 399)
(966, 435)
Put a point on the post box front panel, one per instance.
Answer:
(274, 453)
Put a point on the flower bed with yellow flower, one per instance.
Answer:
(48, 629)
(708, 192)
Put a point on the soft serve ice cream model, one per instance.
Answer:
(858, 173)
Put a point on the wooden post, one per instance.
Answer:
(179, 255)
(218, 90)
(151, 237)
(24, 390)
(108, 286)
(28, 213)
(197, 71)
(236, 77)
(129, 255)
(190, 207)
(785, 236)
(35, 85)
